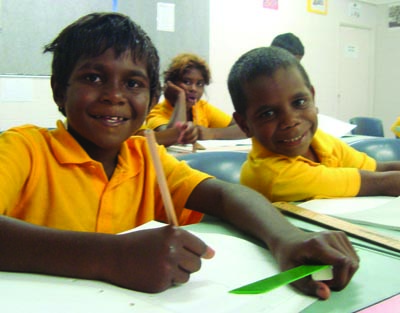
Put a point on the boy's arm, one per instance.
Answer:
(149, 260)
(388, 166)
(380, 183)
(252, 213)
(177, 97)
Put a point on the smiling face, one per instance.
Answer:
(106, 100)
(193, 83)
(280, 112)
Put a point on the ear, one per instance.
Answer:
(58, 95)
(58, 92)
(242, 123)
(312, 89)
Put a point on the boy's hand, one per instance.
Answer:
(329, 247)
(155, 259)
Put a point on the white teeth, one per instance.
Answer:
(113, 118)
(293, 139)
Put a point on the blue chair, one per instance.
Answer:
(367, 126)
(225, 165)
(381, 149)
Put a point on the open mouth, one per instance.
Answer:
(295, 139)
(191, 99)
(111, 120)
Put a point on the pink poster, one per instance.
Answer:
(271, 4)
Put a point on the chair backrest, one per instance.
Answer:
(381, 149)
(368, 126)
(225, 165)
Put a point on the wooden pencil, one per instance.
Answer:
(162, 182)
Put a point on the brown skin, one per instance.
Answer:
(184, 94)
(143, 260)
(281, 114)
(105, 102)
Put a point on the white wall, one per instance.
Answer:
(387, 74)
(239, 25)
(27, 100)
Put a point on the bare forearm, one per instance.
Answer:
(29, 248)
(380, 183)
(167, 136)
(231, 132)
(141, 260)
(250, 212)
(253, 214)
(388, 166)
(179, 113)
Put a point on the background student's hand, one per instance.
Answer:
(174, 94)
(188, 132)
(155, 259)
(329, 247)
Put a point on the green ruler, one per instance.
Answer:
(280, 279)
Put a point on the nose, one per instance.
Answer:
(113, 93)
(288, 119)
(192, 87)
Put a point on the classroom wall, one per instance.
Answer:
(239, 25)
(387, 74)
(26, 26)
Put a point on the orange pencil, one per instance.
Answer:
(162, 182)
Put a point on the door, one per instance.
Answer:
(356, 92)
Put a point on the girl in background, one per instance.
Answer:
(183, 108)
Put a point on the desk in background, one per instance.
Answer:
(241, 145)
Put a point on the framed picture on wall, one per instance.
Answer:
(317, 6)
(394, 16)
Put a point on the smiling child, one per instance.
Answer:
(66, 193)
(291, 159)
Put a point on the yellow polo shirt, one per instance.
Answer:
(282, 178)
(204, 114)
(48, 179)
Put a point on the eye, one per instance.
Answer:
(94, 78)
(301, 103)
(267, 114)
(132, 83)
(200, 84)
(186, 82)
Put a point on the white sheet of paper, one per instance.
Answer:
(208, 288)
(237, 262)
(334, 126)
(209, 144)
(380, 211)
(166, 17)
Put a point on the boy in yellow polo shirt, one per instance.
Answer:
(291, 159)
(65, 193)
